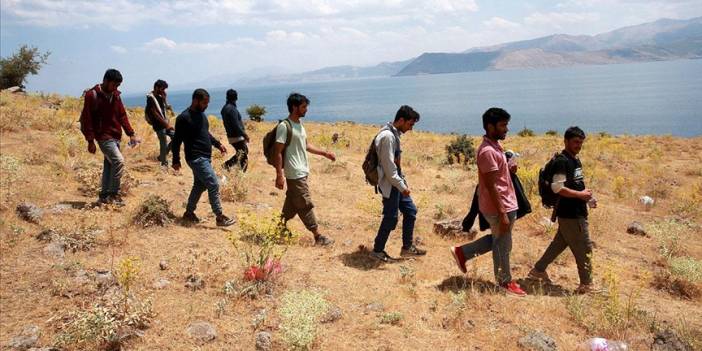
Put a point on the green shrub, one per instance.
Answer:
(256, 112)
(392, 318)
(526, 132)
(551, 132)
(14, 69)
(300, 314)
(155, 210)
(687, 268)
(461, 146)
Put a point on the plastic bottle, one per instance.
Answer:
(602, 344)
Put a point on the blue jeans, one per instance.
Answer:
(396, 202)
(204, 178)
(163, 146)
(499, 243)
(112, 168)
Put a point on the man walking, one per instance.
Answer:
(571, 211)
(292, 167)
(155, 111)
(236, 133)
(393, 186)
(192, 130)
(497, 202)
(102, 120)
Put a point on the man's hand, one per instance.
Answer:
(134, 139)
(585, 195)
(406, 192)
(513, 168)
(330, 155)
(91, 147)
(222, 148)
(280, 182)
(246, 137)
(170, 128)
(504, 223)
(176, 166)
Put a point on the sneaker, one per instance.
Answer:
(224, 221)
(322, 240)
(539, 275)
(512, 288)
(380, 256)
(587, 289)
(114, 200)
(412, 251)
(226, 166)
(457, 254)
(190, 217)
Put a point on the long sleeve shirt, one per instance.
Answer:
(193, 130)
(231, 118)
(387, 145)
(103, 116)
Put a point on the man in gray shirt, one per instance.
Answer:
(393, 186)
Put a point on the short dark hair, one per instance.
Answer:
(407, 113)
(112, 75)
(296, 99)
(232, 95)
(160, 84)
(200, 94)
(574, 132)
(494, 115)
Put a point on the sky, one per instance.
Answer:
(186, 41)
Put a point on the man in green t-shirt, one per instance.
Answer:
(292, 167)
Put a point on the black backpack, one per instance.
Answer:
(269, 142)
(371, 162)
(549, 199)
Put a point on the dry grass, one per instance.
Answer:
(44, 161)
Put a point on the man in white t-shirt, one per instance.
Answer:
(292, 167)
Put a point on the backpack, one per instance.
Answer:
(269, 142)
(549, 199)
(371, 162)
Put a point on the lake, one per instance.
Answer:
(641, 98)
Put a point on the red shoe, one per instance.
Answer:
(512, 288)
(457, 254)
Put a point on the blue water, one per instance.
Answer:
(641, 98)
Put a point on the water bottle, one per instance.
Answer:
(602, 344)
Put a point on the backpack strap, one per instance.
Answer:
(289, 128)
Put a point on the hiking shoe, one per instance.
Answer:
(539, 275)
(190, 217)
(380, 256)
(457, 254)
(323, 240)
(114, 200)
(412, 251)
(224, 221)
(512, 288)
(587, 289)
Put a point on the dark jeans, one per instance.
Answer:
(499, 243)
(112, 167)
(204, 178)
(572, 233)
(163, 146)
(241, 157)
(396, 202)
(299, 202)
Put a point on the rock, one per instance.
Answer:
(104, 279)
(375, 307)
(163, 265)
(202, 331)
(47, 235)
(81, 278)
(15, 90)
(259, 318)
(29, 212)
(26, 339)
(335, 138)
(647, 202)
(194, 282)
(55, 249)
(333, 314)
(538, 341)
(668, 340)
(453, 228)
(348, 242)
(161, 283)
(636, 228)
(264, 341)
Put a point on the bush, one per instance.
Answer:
(14, 69)
(236, 188)
(551, 132)
(392, 318)
(461, 146)
(526, 132)
(687, 268)
(154, 211)
(300, 314)
(256, 112)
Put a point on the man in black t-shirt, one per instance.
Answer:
(571, 210)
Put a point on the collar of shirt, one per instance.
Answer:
(394, 130)
(495, 144)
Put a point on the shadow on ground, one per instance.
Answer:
(535, 287)
(460, 283)
(361, 259)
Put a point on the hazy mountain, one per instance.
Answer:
(665, 39)
(384, 69)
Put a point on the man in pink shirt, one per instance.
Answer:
(497, 202)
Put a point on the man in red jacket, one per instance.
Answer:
(102, 120)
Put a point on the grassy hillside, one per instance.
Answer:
(109, 288)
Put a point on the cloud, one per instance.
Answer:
(497, 23)
(118, 49)
(160, 45)
(557, 20)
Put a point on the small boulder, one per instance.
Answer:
(668, 340)
(29, 212)
(537, 341)
(104, 279)
(453, 228)
(647, 202)
(636, 228)
(375, 307)
(55, 249)
(264, 341)
(202, 331)
(26, 339)
(163, 265)
(333, 314)
(161, 283)
(194, 282)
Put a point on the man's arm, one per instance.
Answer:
(386, 159)
(317, 151)
(124, 119)
(181, 127)
(490, 179)
(278, 164)
(86, 120)
(558, 187)
(217, 144)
